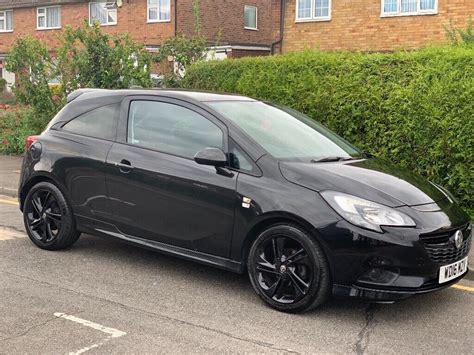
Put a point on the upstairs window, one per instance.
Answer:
(158, 10)
(48, 17)
(104, 13)
(313, 10)
(250, 17)
(6, 21)
(409, 7)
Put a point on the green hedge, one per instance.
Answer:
(413, 108)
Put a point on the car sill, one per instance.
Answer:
(192, 255)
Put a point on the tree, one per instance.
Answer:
(29, 59)
(183, 50)
(86, 57)
(89, 57)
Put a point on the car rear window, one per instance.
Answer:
(98, 123)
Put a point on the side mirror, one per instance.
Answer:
(211, 156)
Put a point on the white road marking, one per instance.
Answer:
(112, 332)
(9, 233)
(87, 348)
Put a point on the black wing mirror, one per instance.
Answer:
(211, 156)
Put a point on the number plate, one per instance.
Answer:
(451, 271)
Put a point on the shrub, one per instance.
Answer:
(89, 57)
(29, 59)
(3, 84)
(7, 98)
(56, 89)
(184, 51)
(461, 36)
(415, 108)
(15, 126)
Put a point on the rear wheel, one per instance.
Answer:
(48, 218)
(288, 269)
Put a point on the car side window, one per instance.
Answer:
(239, 159)
(171, 129)
(98, 123)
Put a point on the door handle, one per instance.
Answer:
(124, 166)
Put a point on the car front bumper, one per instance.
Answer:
(393, 265)
(389, 294)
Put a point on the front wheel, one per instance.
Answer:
(48, 218)
(288, 269)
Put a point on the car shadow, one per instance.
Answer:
(229, 284)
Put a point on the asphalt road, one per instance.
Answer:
(102, 296)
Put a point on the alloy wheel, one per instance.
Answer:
(43, 216)
(283, 269)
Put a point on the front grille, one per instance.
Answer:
(441, 248)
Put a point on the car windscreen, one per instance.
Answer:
(284, 133)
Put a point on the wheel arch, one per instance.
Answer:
(40, 176)
(269, 219)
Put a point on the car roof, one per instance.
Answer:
(201, 96)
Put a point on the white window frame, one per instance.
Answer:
(45, 19)
(103, 24)
(148, 7)
(3, 15)
(313, 18)
(398, 13)
(256, 18)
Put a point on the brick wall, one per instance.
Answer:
(132, 19)
(223, 20)
(357, 25)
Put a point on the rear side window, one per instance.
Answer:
(98, 123)
(171, 129)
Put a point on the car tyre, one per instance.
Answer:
(288, 269)
(48, 218)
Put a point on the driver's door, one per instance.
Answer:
(157, 190)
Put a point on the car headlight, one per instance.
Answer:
(365, 213)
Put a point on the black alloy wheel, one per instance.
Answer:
(48, 218)
(288, 269)
(44, 216)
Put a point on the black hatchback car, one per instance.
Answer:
(242, 185)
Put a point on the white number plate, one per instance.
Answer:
(451, 271)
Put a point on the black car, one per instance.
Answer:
(242, 185)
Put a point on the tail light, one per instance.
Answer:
(30, 140)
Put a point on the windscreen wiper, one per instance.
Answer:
(330, 159)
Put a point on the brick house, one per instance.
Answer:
(233, 28)
(236, 28)
(370, 25)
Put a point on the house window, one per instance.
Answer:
(313, 10)
(104, 13)
(48, 17)
(250, 17)
(409, 7)
(158, 10)
(6, 21)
